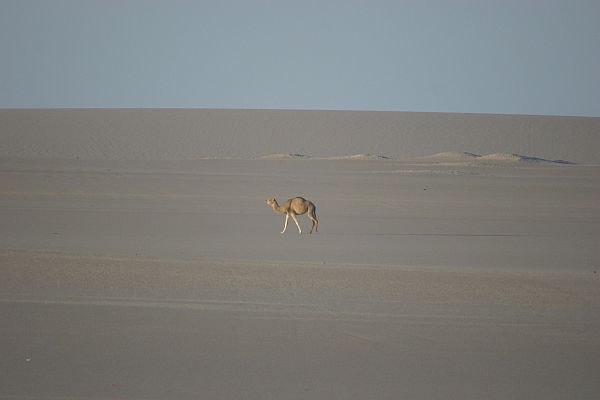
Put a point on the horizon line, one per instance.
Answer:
(34, 108)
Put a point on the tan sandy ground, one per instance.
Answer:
(171, 280)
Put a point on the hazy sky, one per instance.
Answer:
(493, 56)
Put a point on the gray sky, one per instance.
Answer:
(492, 56)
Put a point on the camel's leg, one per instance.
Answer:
(314, 224)
(286, 221)
(315, 221)
(297, 224)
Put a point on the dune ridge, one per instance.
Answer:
(293, 156)
(191, 134)
(447, 157)
(282, 156)
(358, 157)
(494, 158)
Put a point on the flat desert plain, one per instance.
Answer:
(426, 280)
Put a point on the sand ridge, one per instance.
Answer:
(495, 158)
(191, 134)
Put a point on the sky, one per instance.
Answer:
(469, 56)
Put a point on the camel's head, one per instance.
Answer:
(270, 201)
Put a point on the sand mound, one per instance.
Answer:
(292, 156)
(453, 157)
(282, 156)
(518, 159)
(359, 157)
(507, 157)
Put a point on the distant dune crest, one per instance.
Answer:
(294, 156)
(452, 157)
(358, 157)
(194, 134)
(517, 158)
(282, 156)
(497, 158)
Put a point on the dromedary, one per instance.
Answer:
(293, 207)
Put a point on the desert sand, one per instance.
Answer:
(448, 274)
(191, 134)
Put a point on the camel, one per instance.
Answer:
(293, 207)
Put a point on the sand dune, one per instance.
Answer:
(455, 157)
(177, 134)
(282, 156)
(452, 155)
(448, 157)
(358, 157)
(517, 158)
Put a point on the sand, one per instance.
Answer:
(445, 276)
(190, 134)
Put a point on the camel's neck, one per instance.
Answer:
(279, 210)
